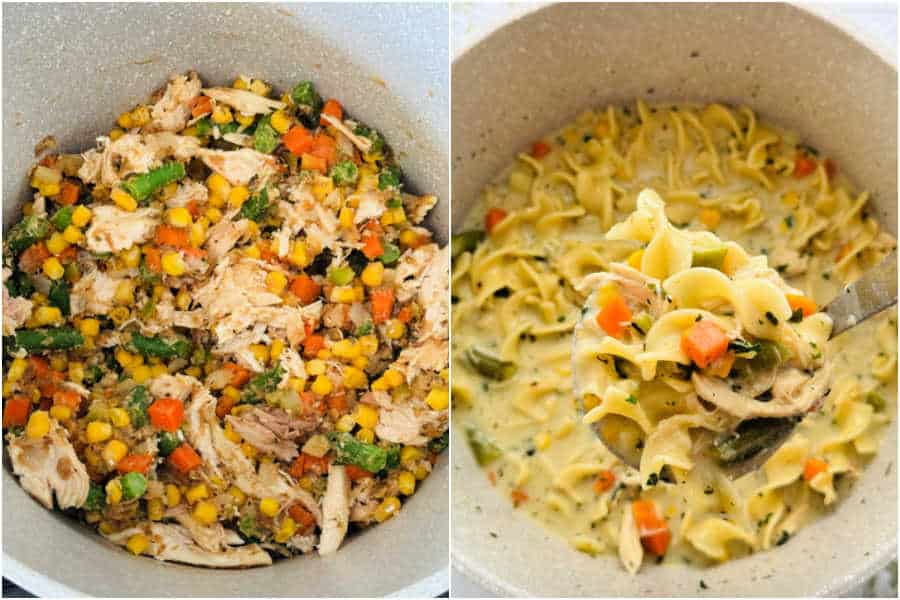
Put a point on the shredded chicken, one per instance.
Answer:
(239, 166)
(16, 310)
(214, 538)
(188, 190)
(364, 144)
(223, 236)
(173, 542)
(49, 466)
(335, 510)
(418, 207)
(249, 427)
(113, 229)
(244, 101)
(173, 110)
(93, 294)
(403, 425)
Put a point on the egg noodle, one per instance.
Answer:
(684, 335)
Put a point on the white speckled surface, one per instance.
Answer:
(851, 543)
(68, 70)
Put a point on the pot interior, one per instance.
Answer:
(793, 69)
(106, 57)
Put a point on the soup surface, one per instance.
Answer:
(518, 293)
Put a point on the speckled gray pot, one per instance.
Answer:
(68, 70)
(539, 72)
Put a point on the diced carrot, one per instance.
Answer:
(813, 467)
(305, 288)
(312, 403)
(332, 108)
(239, 375)
(50, 384)
(404, 315)
(171, 236)
(374, 226)
(845, 249)
(337, 401)
(68, 193)
(493, 216)
(325, 146)
(193, 208)
(184, 458)
(372, 247)
(382, 304)
(302, 517)
(518, 497)
(540, 149)
(167, 414)
(704, 342)
(604, 482)
(68, 255)
(654, 531)
(135, 463)
(803, 165)
(201, 105)
(16, 411)
(311, 162)
(721, 367)
(312, 344)
(614, 317)
(298, 140)
(39, 366)
(67, 398)
(153, 258)
(803, 303)
(224, 406)
(356, 473)
(33, 257)
(307, 463)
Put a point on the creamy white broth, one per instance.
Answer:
(549, 459)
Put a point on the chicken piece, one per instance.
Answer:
(179, 387)
(16, 310)
(371, 205)
(244, 101)
(253, 431)
(403, 424)
(418, 207)
(187, 191)
(410, 267)
(335, 510)
(93, 294)
(113, 229)
(174, 543)
(173, 111)
(640, 292)
(435, 282)
(224, 235)
(432, 355)
(793, 393)
(363, 143)
(214, 538)
(319, 223)
(292, 364)
(239, 166)
(49, 466)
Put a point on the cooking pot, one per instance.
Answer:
(68, 71)
(794, 69)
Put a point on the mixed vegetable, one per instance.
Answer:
(217, 316)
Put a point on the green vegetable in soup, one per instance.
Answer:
(713, 258)
(389, 178)
(466, 241)
(484, 449)
(59, 297)
(751, 437)
(488, 365)
(141, 187)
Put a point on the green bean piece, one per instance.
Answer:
(769, 355)
(26, 232)
(59, 297)
(62, 218)
(484, 449)
(155, 346)
(488, 365)
(713, 258)
(438, 445)
(743, 348)
(643, 322)
(141, 187)
(350, 451)
(50, 338)
(466, 241)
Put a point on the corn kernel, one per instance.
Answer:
(323, 354)
(366, 436)
(322, 385)
(259, 87)
(206, 513)
(438, 398)
(16, 370)
(124, 358)
(114, 451)
(249, 450)
(260, 352)
(354, 378)
(269, 507)
(345, 349)
(406, 483)
(81, 216)
(791, 199)
(218, 185)
(57, 244)
(183, 300)
(119, 417)
(157, 370)
(221, 114)
(38, 424)
(155, 509)
(345, 423)
(380, 385)
(275, 350)
(239, 496)
(394, 378)
(298, 255)
(409, 455)
(345, 218)
(276, 282)
(98, 431)
(58, 362)
(53, 268)
(422, 470)
(253, 251)
(372, 275)
(8, 389)
(123, 200)
(114, 491)
(297, 384)
(408, 238)
(141, 374)
(280, 121)
(387, 509)
(47, 315)
(366, 416)
(173, 495)
(240, 84)
(124, 293)
(125, 121)
(179, 217)
(396, 329)
(232, 392)
(286, 531)
(244, 120)
(231, 434)
(138, 543)
(89, 327)
(140, 116)
(214, 215)
(368, 344)
(343, 294)
(196, 493)
(237, 196)
(115, 133)
(172, 264)
(710, 217)
(360, 362)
